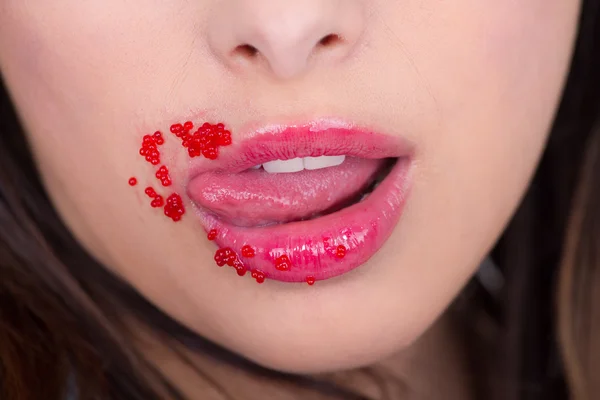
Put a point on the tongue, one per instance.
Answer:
(256, 197)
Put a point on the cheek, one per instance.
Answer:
(77, 88)
(496, 73)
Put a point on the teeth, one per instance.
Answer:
(323, 162)
(257, 166)
(280, 166)
(298, 164)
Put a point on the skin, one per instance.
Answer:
(472, 84)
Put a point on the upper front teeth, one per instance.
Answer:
(298, 164)
(322, 162)
(278, 166)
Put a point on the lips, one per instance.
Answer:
(312, 213)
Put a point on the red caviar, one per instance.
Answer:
(132, 181)
(310, 280)
(340, 252)
(239, 267)
(158, 138)
(248, 251)
(212, 235)
(283, 263)
(228, 256)
(163, 176)
(149, 149)
(205, 141)
(259, 276)
(174, 208)
(225, 256)
(157, 202)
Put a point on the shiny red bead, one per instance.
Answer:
(147, 140)
(239, 267)
(259, 277)
(176, 128)
(248, 251)
(225, 139)
(241, 270)
(157, 202)
(340, 252)
(150, 192)
(158, 138)
(310, 280)
(283, 263)
(132, 181)
(212, 235)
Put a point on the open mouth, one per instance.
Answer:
(325, 199)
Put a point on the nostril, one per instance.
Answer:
(246, 51)
(330, 40)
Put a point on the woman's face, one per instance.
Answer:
(462, 93)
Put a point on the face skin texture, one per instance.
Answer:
(472, 84)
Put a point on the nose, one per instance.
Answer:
(284, 37)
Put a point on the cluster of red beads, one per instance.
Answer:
(283, 263)
(157, 199)
(149, 149)
(225, 256)
(205, 141)
(174, 208)
(248, 251)
(212, 235)
(259, 276)
(163, 176)
(340, 251)
(228, 256)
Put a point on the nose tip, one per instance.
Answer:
(285, 37)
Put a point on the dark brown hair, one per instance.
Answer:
(60, 332)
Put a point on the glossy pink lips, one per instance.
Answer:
(308, 216)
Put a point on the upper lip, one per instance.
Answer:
(325, 137)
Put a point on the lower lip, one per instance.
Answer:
(312, 246)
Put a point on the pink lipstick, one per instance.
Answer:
(302, 203)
